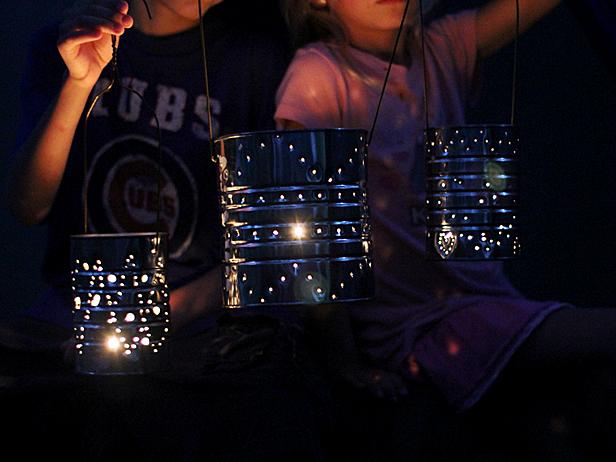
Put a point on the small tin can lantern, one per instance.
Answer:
(472, 192)
(121, 302)
(295, 216)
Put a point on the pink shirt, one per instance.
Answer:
(460, 321)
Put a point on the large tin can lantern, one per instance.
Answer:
(121, 302)
(295, 216)
(472, 192)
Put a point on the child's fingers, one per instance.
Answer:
(79, 37)
(109, 7)
(108, 13)
(88, 25)
(95, 23)
(122, 6)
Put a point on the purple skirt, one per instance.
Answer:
(460, 344)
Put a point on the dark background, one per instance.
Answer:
(567, 119)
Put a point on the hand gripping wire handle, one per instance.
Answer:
(114, 79)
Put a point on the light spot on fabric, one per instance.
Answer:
(413, 366)
(453, 347)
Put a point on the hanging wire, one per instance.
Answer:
(515, 62)
(112, 82)
(107, 89)
(206, 82)
(147, 9)
(424, 64)
(391, 62)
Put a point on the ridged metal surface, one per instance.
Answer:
(121, 302)
(472, 189)
(295, 214)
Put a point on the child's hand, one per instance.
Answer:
(84, 41)
(377, 382)
(196, 299)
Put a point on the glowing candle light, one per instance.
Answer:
(113, 343)
(299, 206)
(110, 323)
(299, 231)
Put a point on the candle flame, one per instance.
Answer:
(113, 343)
(299, 231)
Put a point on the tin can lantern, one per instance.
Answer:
(121, 302)
(472, 192)
(295, 217)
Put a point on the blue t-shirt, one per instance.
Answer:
(246, 62)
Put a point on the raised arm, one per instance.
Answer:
(496, 21)
(85, 46)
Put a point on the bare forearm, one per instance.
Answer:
(39, 166)
(496, 21)
(197, 298)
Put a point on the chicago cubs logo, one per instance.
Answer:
(123, 194)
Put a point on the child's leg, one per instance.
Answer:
(556, 398)
(570, 335)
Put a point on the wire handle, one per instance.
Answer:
(423, 65)
(206, 82)
(515, 62)
(391, 62)
(147, 9)
(115, 78)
